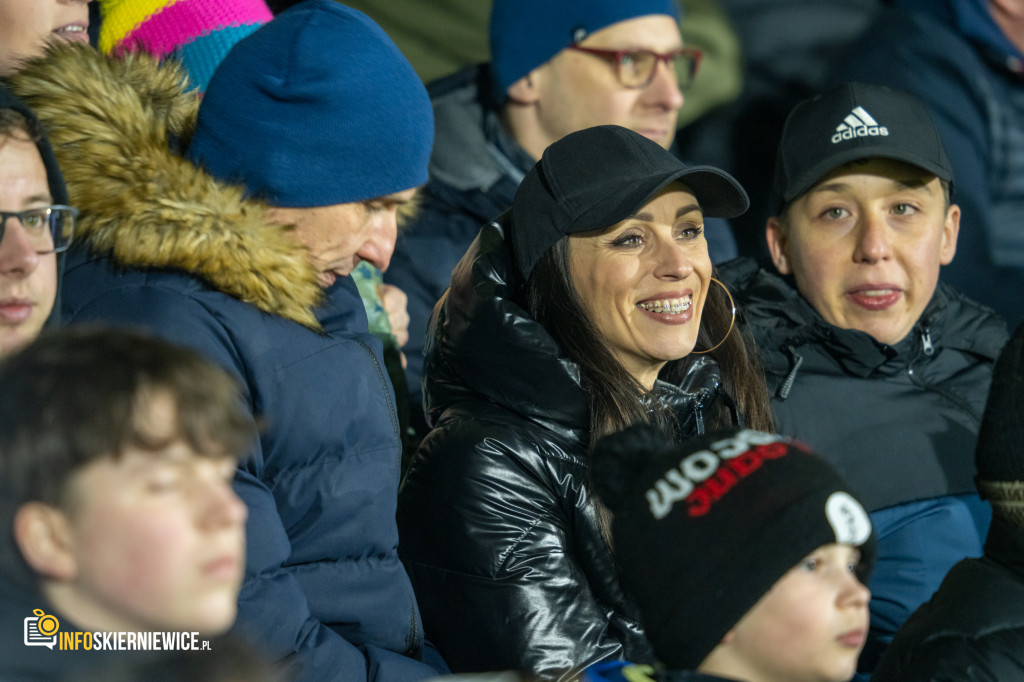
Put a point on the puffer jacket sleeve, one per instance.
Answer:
(270, 597)
(486, 520)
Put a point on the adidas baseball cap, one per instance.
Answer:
(596, 177)
(851, 122)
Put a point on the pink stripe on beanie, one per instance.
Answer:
(180, 22)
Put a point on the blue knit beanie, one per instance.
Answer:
(527, 33)
(318, 107)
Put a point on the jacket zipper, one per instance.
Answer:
(392, 409)
(787, 385)
(929, 349)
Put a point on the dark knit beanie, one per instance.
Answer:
(998, 455)
(317, 107)
(702, 531)
(527, 33)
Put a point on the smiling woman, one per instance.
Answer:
(27, 25)
(575, 314)
(644, 281)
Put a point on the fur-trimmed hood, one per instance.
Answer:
(112, 123)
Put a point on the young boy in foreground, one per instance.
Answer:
(116, 462)
(746, 555)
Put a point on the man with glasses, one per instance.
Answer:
(556, 68)
(35, 226)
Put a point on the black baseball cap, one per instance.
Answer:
(596, 177)
(851, 122)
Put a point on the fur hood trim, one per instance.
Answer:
(111, 122)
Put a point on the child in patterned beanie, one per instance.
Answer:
(745, 552)
(198, 32)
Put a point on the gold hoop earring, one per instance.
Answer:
(732, 322)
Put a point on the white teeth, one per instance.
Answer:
(675, 305)
(70, 29)
(876, 292)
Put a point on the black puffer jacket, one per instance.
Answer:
(899, 422)
(973, 628)
(498, 529)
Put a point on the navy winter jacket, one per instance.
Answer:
(166, 248)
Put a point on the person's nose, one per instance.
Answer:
(853, 592)
(671, 260)
(379, 245)
(221, 506)
(873, 239)
(663, 90)
(18, 257)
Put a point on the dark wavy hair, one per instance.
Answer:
(617, 399)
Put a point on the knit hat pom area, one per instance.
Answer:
(702, 530)
(318, 107)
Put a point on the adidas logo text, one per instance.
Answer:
(858, 123)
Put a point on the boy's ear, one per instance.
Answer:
(777, 246)
(950, 232)
(44, 538)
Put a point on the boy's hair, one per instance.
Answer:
(74, 396)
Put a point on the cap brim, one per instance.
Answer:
(717, 192)
(815, 173)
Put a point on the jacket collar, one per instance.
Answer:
(480, 339)
(783, 319)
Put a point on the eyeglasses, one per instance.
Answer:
(635, 68)
(48, 230)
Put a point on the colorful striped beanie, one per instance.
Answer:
(198, 32)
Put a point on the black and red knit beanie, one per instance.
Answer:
(702, 530)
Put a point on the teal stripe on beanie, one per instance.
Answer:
(527, 33)
(318, 107)
(202, 55)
